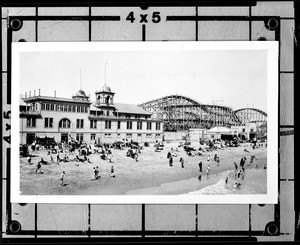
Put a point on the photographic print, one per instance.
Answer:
(145, 122)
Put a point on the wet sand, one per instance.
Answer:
(150, 175)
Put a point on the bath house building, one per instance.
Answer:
(101, 121)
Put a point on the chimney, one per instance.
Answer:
(29, 94)
(39, 92)
(54, 93)
(25, 95)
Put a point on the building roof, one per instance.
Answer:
(21, 101)
(126, 108)
(219, 129)
(50, 98)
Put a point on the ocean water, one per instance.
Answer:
(254, 182)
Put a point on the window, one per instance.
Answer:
(79, 137)
(137, 117)
(128, 135)
(107, 124)
(60, 108)
(82, 109)
(48, 122)
(243, 130)
(31, 122)
(47, 107)
(139, 135)
(65, 123)
(157, 135)
(69, 108)
(73, 108)
(119, 124)
(148, 135)
(107, 135)
(79, 123)
(93, 136)
(93, 124)
(52, 107)
(57, 107)
(127, 116)
(43, 106)
(118, 135)
(107, 113)
(149, 125)
(78, 108)
(129, 125)
(139, 125)
(157, 126)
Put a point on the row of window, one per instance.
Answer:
(66, 108)
(65, 123)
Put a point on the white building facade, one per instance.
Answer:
(103, 121)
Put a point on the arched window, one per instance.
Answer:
(64, 123)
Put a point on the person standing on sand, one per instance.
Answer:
(235, 167)
(57, 157)
(242, 163)
(169, 155)
(226, 181)
(215, 157)
(208, 169)
(171, 161)
(182, 162)
(112, 172)
(218, 161)
(62, 178)
(38, 167)
(200, 166)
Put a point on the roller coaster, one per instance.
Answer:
(181, 113)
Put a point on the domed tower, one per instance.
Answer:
(80, 95)
(105, 99)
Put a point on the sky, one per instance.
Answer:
(235, 78)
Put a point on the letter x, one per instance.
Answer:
(144, 18)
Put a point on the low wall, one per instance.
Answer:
(171, 136)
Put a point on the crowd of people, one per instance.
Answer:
(79, 153)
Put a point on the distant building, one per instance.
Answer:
(78, 118)
(250, 130)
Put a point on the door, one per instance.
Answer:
(30, 138)
(64, 137)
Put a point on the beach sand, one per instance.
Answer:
(151, 175)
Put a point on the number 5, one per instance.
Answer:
(156, 17)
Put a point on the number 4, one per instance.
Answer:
(130, 17)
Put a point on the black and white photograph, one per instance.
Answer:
(137, 122)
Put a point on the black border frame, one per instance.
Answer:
(225, 235)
